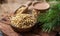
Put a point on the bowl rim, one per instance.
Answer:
(40, 3)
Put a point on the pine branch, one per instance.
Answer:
(51, 18)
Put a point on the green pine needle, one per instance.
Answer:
(51, 18)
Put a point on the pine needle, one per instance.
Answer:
(51, 18)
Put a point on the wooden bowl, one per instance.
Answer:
(22, 29)
(41, 5)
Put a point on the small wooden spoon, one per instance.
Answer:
(24, 5)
